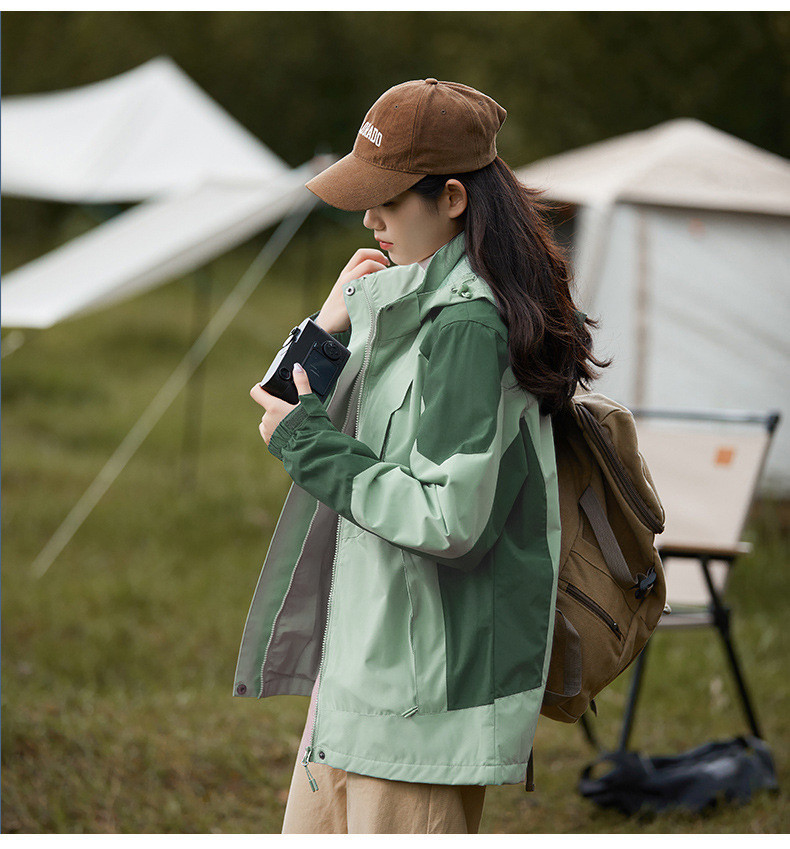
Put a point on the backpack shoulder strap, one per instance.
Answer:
(607, 541)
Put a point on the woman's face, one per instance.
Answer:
(409, 229)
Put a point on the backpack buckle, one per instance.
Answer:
(644, 583)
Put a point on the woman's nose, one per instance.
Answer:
(369, 219)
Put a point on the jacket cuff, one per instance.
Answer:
(309, 405)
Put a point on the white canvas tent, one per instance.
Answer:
(681, 248)
(205, 185)
(144, 247)
(147, 135)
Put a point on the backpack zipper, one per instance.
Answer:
(595, 430)
(595, 608)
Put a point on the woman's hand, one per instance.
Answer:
(276, 408)
(334, 316)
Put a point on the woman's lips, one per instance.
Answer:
(385, 246)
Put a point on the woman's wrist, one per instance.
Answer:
(322, 322)
(326, 323)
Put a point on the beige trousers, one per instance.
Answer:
(347, 803)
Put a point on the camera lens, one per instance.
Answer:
(331, 350)
(284, 373)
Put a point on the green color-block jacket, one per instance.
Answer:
(414, 562)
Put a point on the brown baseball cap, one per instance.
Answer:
(415, 128)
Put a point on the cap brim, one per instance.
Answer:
(352, 184)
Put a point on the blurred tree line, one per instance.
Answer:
(302, 81)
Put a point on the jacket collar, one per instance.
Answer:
(450, 279)
(404, 295)
(443, 262)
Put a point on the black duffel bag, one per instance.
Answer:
(728, 770)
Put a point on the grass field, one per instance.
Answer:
(117, 664)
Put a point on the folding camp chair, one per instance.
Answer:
(706, 467)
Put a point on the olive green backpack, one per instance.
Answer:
(612, 588)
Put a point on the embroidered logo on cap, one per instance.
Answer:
(368, 131)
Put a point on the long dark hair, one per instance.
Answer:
(509, 244)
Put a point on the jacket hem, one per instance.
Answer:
(456, 773)
(487, 744)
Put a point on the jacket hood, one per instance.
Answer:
(450, 280)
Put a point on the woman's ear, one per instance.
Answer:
(455, 198)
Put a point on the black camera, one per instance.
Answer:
(320, 354)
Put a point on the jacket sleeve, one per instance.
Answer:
(441, 504)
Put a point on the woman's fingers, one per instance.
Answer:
(366, 253)
(301, 380)
(262, 397)
(351, 271)
(275, 414)
(366, 266)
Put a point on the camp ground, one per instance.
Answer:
(679, 239)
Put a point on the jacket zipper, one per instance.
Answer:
(632, 496)
(290, 582)
(305, 760)
(360, 379)
(595, 608)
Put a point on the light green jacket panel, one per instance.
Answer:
(414, 562)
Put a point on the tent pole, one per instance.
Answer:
(195, 390)
(314, 281)
(642, 308)
(318, 278)
(310, 266)
(12, 341)
(227, 311)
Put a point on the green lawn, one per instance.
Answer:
(117, 713)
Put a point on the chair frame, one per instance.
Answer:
(718, 613)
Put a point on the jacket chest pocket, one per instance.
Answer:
(400, 428)
(382, 409)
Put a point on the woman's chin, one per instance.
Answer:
(398, 259)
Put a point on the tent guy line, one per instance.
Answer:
(228, 310)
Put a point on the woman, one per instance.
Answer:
(410, 583)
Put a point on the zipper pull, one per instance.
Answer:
(410, 711)
(313, 783)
